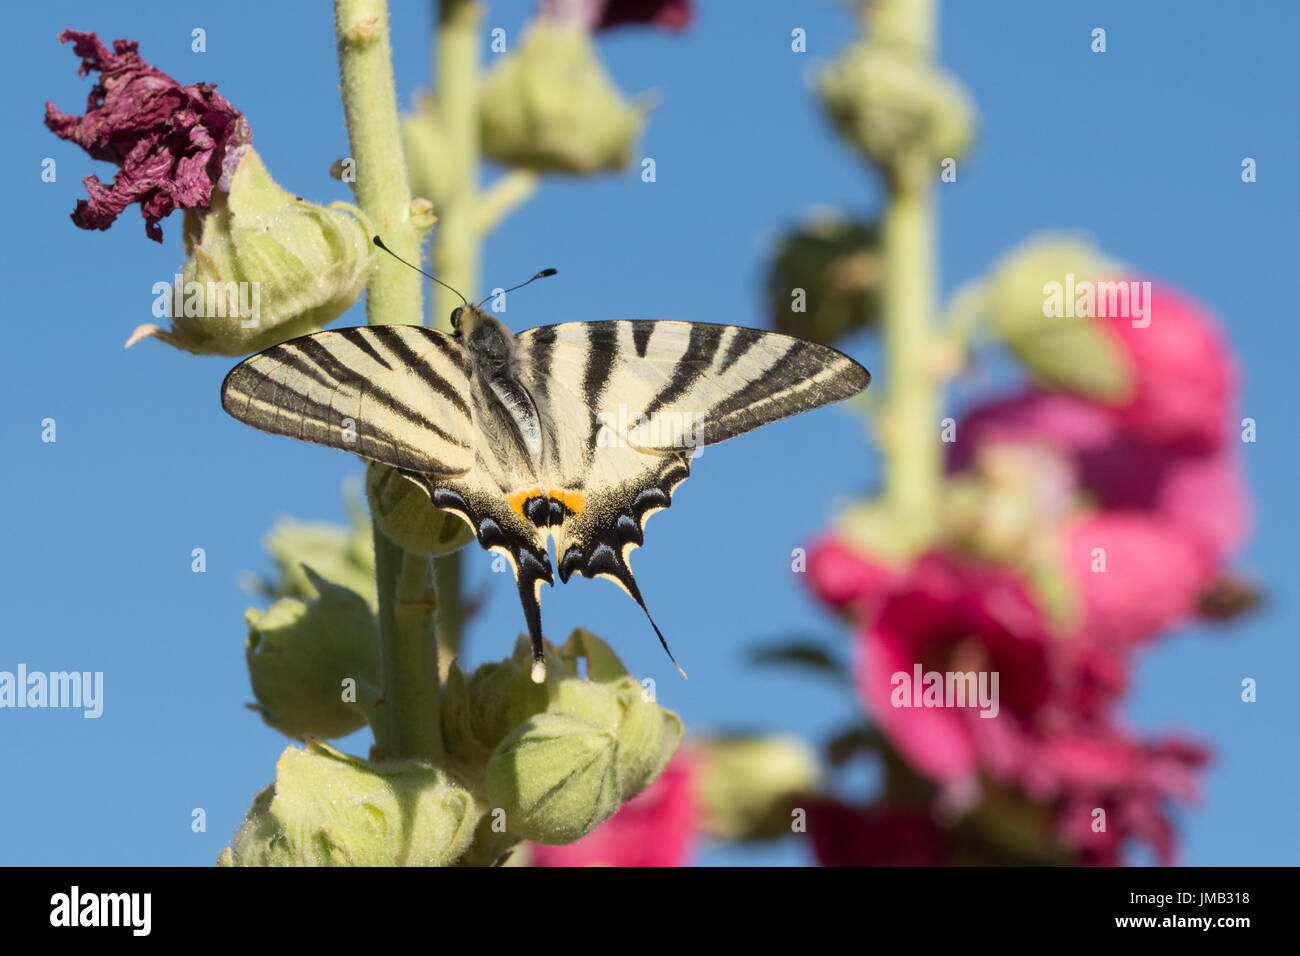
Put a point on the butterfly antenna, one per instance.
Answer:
(380, 243)
(541, 275)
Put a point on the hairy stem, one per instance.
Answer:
(913, 462)
(395, 294)
(407, 598)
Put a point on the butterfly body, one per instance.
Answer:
(574, 433)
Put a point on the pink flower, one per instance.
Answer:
(655, 828)
(1145, 777)
(1183, 375)
(844, 578)
(1135, 575)
(848, 836)
(1203, 491)
(603, 14)
(173, 143)
(945, 617)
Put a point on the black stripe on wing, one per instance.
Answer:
(307, 388)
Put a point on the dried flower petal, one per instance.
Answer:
(172, 142)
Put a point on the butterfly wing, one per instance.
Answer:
(397, 394)
(624, 404)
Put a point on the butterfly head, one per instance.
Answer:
(484, 335)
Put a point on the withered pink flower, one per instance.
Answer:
(173, 143)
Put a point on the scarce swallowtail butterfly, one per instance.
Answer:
(576, 432)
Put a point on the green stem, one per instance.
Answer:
(456, 247)
(458, 237)
(408, 652)
(913, 461)
(408, 645)
(394, 295)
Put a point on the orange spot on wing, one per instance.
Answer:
(516, 500)
(572, 500)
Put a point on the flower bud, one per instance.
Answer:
(264, 267)
(824, 281)
(648, 736)
(550, 106)
(1059, 347)
(747, 786)
(345, 556)
(409, 518)
(556, 778)
(904, 114)
(314, 664)
(329, 809)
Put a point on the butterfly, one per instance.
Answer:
(576, 432)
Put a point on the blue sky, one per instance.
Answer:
(1139, 147)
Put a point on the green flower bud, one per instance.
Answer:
(329, 809)
(747, 786)
(900, 111)
(1058, 347)
(408, 517)
(459, 739)
(550, 106)
(345, 556)
(500, 703)
(648, 736)
(556, 778)
(824, 281)
(314, 665)
(264, 267)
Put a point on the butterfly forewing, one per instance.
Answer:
(395, 394)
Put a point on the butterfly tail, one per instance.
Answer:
(529, 575)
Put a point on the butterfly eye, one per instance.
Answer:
(455, 317)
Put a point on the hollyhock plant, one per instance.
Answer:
(174, 143)
(656, 828)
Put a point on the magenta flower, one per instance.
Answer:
(847, 580)
(1136, 574)
(173, 143)
(655, 828)
(1185, 381)
(843, 835)
(603, 14)
(948, 616)
(1202, 491)
(1135, 795)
